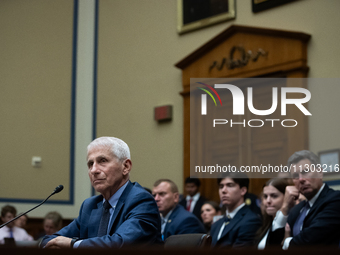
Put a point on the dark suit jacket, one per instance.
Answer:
(274, 238)
(239, 232)
(182, 222)
(322, 224)
(135, 220)
(197, 208)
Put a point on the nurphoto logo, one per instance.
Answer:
(239, 104)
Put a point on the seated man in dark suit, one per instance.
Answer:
(175, 219)
(124, 214)
(317, 220)
(193, 201)
(238, 227)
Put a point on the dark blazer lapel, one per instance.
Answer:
(120, 203)
(239, 215)
(216, 229)
(183, 202)
(318, 202)
(198, 205)
(94, 219)
(294, 214)
(172, 215)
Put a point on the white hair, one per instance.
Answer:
(118, 147)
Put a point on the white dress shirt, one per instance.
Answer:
(19, 234)
(165, 221)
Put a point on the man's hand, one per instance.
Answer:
(59, 242)
(291, 195)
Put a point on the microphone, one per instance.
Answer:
(56, 190)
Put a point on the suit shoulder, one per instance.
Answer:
(251, 213)
(251, 216)
(328, 197)
(180, 212)
(93, 200)
(138, 189)
(203, 198)
(334, 194)
(185, 222)
(183, 202)
(136, 194)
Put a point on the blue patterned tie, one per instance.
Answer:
(11, 233)
(104, 222)
(227, 219)
(299, 222)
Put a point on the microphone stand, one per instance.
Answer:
(57, 189)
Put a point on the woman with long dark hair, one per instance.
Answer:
(271, 233)
(209, 210)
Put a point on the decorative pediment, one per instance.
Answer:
(242, 51)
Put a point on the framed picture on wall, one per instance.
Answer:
(196, 14)
(329, 160)
(261, 5)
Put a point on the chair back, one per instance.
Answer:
(188, 240)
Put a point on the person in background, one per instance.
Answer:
(239, 225)
(8, 213)
(315, 221)
(175, 219)
(209, 210)
(193, 201)
(53, 222)
(272, 199)
(22, 221)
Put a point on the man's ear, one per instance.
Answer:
(127, 165)
(243, 191)
(176, 197)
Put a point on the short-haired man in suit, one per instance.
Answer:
(175, 219)
(315, 221)
(193, 201)
(238, 227)
(123, 214)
